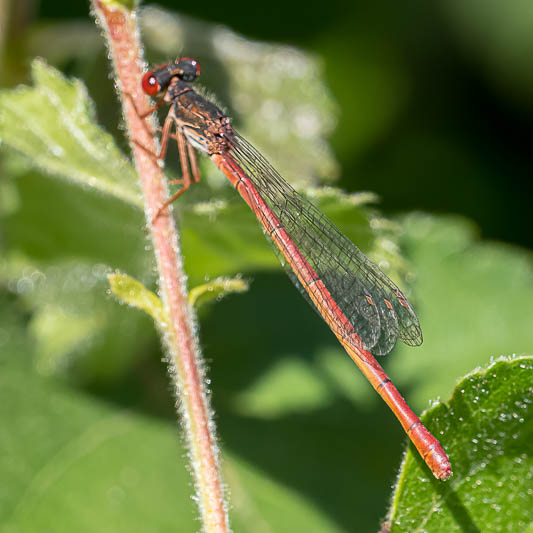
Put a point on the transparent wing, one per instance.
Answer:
(372, 303)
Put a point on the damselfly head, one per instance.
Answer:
(156, 82)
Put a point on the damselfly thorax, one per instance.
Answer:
(204, 125)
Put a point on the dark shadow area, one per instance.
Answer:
(337, 457)
(450, 498)
(457, 509)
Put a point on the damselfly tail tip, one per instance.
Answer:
(444, 474)
(439, 464)
(431, 451)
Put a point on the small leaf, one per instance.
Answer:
(53, 123)
(216, 289)
(488, 433)
(134, 293)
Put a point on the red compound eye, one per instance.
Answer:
(150, 84)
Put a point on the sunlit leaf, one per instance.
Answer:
(487, 431)
(216, 290)
(53, 123)
(134, 293)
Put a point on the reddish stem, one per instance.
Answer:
(119, 24)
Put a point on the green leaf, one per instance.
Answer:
(53, 123)
(56, 221)
(487, 430)
(134, 293)
(216, 290)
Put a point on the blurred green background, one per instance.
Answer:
(428, 105)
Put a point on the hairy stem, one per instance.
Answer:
(184, 358)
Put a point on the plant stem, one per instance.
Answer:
(185, 366)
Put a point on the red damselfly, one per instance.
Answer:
(365, 310)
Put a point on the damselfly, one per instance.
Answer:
(365, 310)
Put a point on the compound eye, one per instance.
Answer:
(190, 68)
(150, 84)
